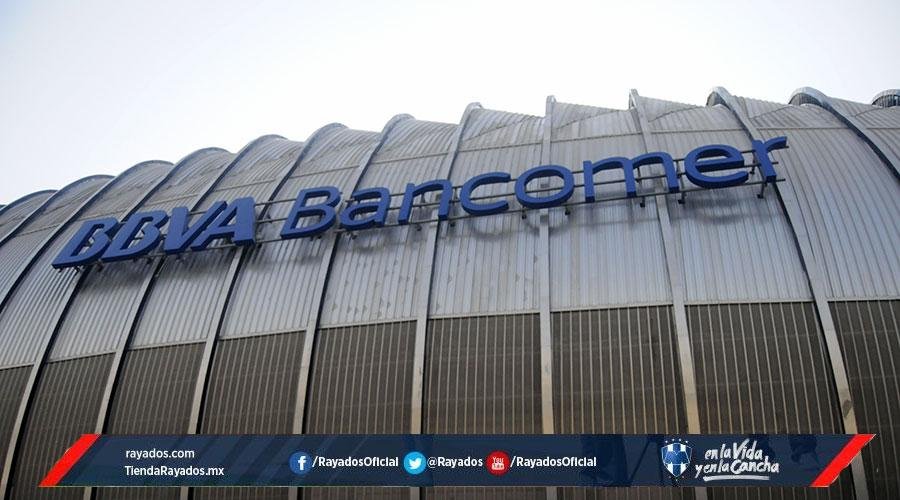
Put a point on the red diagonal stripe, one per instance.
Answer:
(69, 458)
(841, 460)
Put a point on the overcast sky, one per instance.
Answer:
(96, 86)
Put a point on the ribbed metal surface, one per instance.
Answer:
(734, 246)
(129, 190)
(181, 304)
(847, 197)
(12, 384)
(762, 368)
(15, 252)
(161, 379)
(883, 123)
(360, 381)
(191, 178)
(482, 375)
(252, 385)
(64, 407)
(375, 275)
(486, 264)
(153, 396)
(274, 289)
(615, 371)
(612, 242)
(36, 305)
(11, 216)
(97, 321)
(869, 332)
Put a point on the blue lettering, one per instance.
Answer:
(541, 172)
(412, 190)
(761, 152)
(180, 235)
(125, 244)
(713, 158)
(465, 194)
(325, 212)
(242, 231)
(378, 209)
(86, 244)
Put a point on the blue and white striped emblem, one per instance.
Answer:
(676, 457)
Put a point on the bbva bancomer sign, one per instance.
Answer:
(108, 240)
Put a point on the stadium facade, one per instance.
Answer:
(764, 307)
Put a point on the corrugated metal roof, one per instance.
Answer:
(609, 253)
(848, 200)
(185, 300)
(375, 274)
(14, 213)
(734, 246)
(487, 264)
(37, 303)
(97, 321)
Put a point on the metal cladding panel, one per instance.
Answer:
(65, 405)
(260, 163)
(130, 188)
(734, 246)
(62, 206)
(16, 252)
(361, 380)
(869, 333)
(848, 200)
(890, 137)
(346, 148)
(13, 215)
(275, 287)
(616, 371)
(599, 244)
(32, 312)
(375, 274)
(488, 129)
(252, 385)
(189, 181)
(268, 162)
(486, 493)
(762, 368)
(868, 115)
(765, 114)
(578, 122)
(666, 116)
(12, 387)
(101, 310)
(181, 306)
(414, 139)
(487, 264)
(154, 391)
(482, 375)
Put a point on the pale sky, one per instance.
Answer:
(92, 87)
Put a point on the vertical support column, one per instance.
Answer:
(543, 264)
(424, 291)
(791, 209)
(676, 283)
(37, 367)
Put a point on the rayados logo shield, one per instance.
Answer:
(676, 457)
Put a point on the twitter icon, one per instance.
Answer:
(414, 462)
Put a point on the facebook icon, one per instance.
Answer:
(301, 463)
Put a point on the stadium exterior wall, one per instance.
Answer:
(719, 312)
